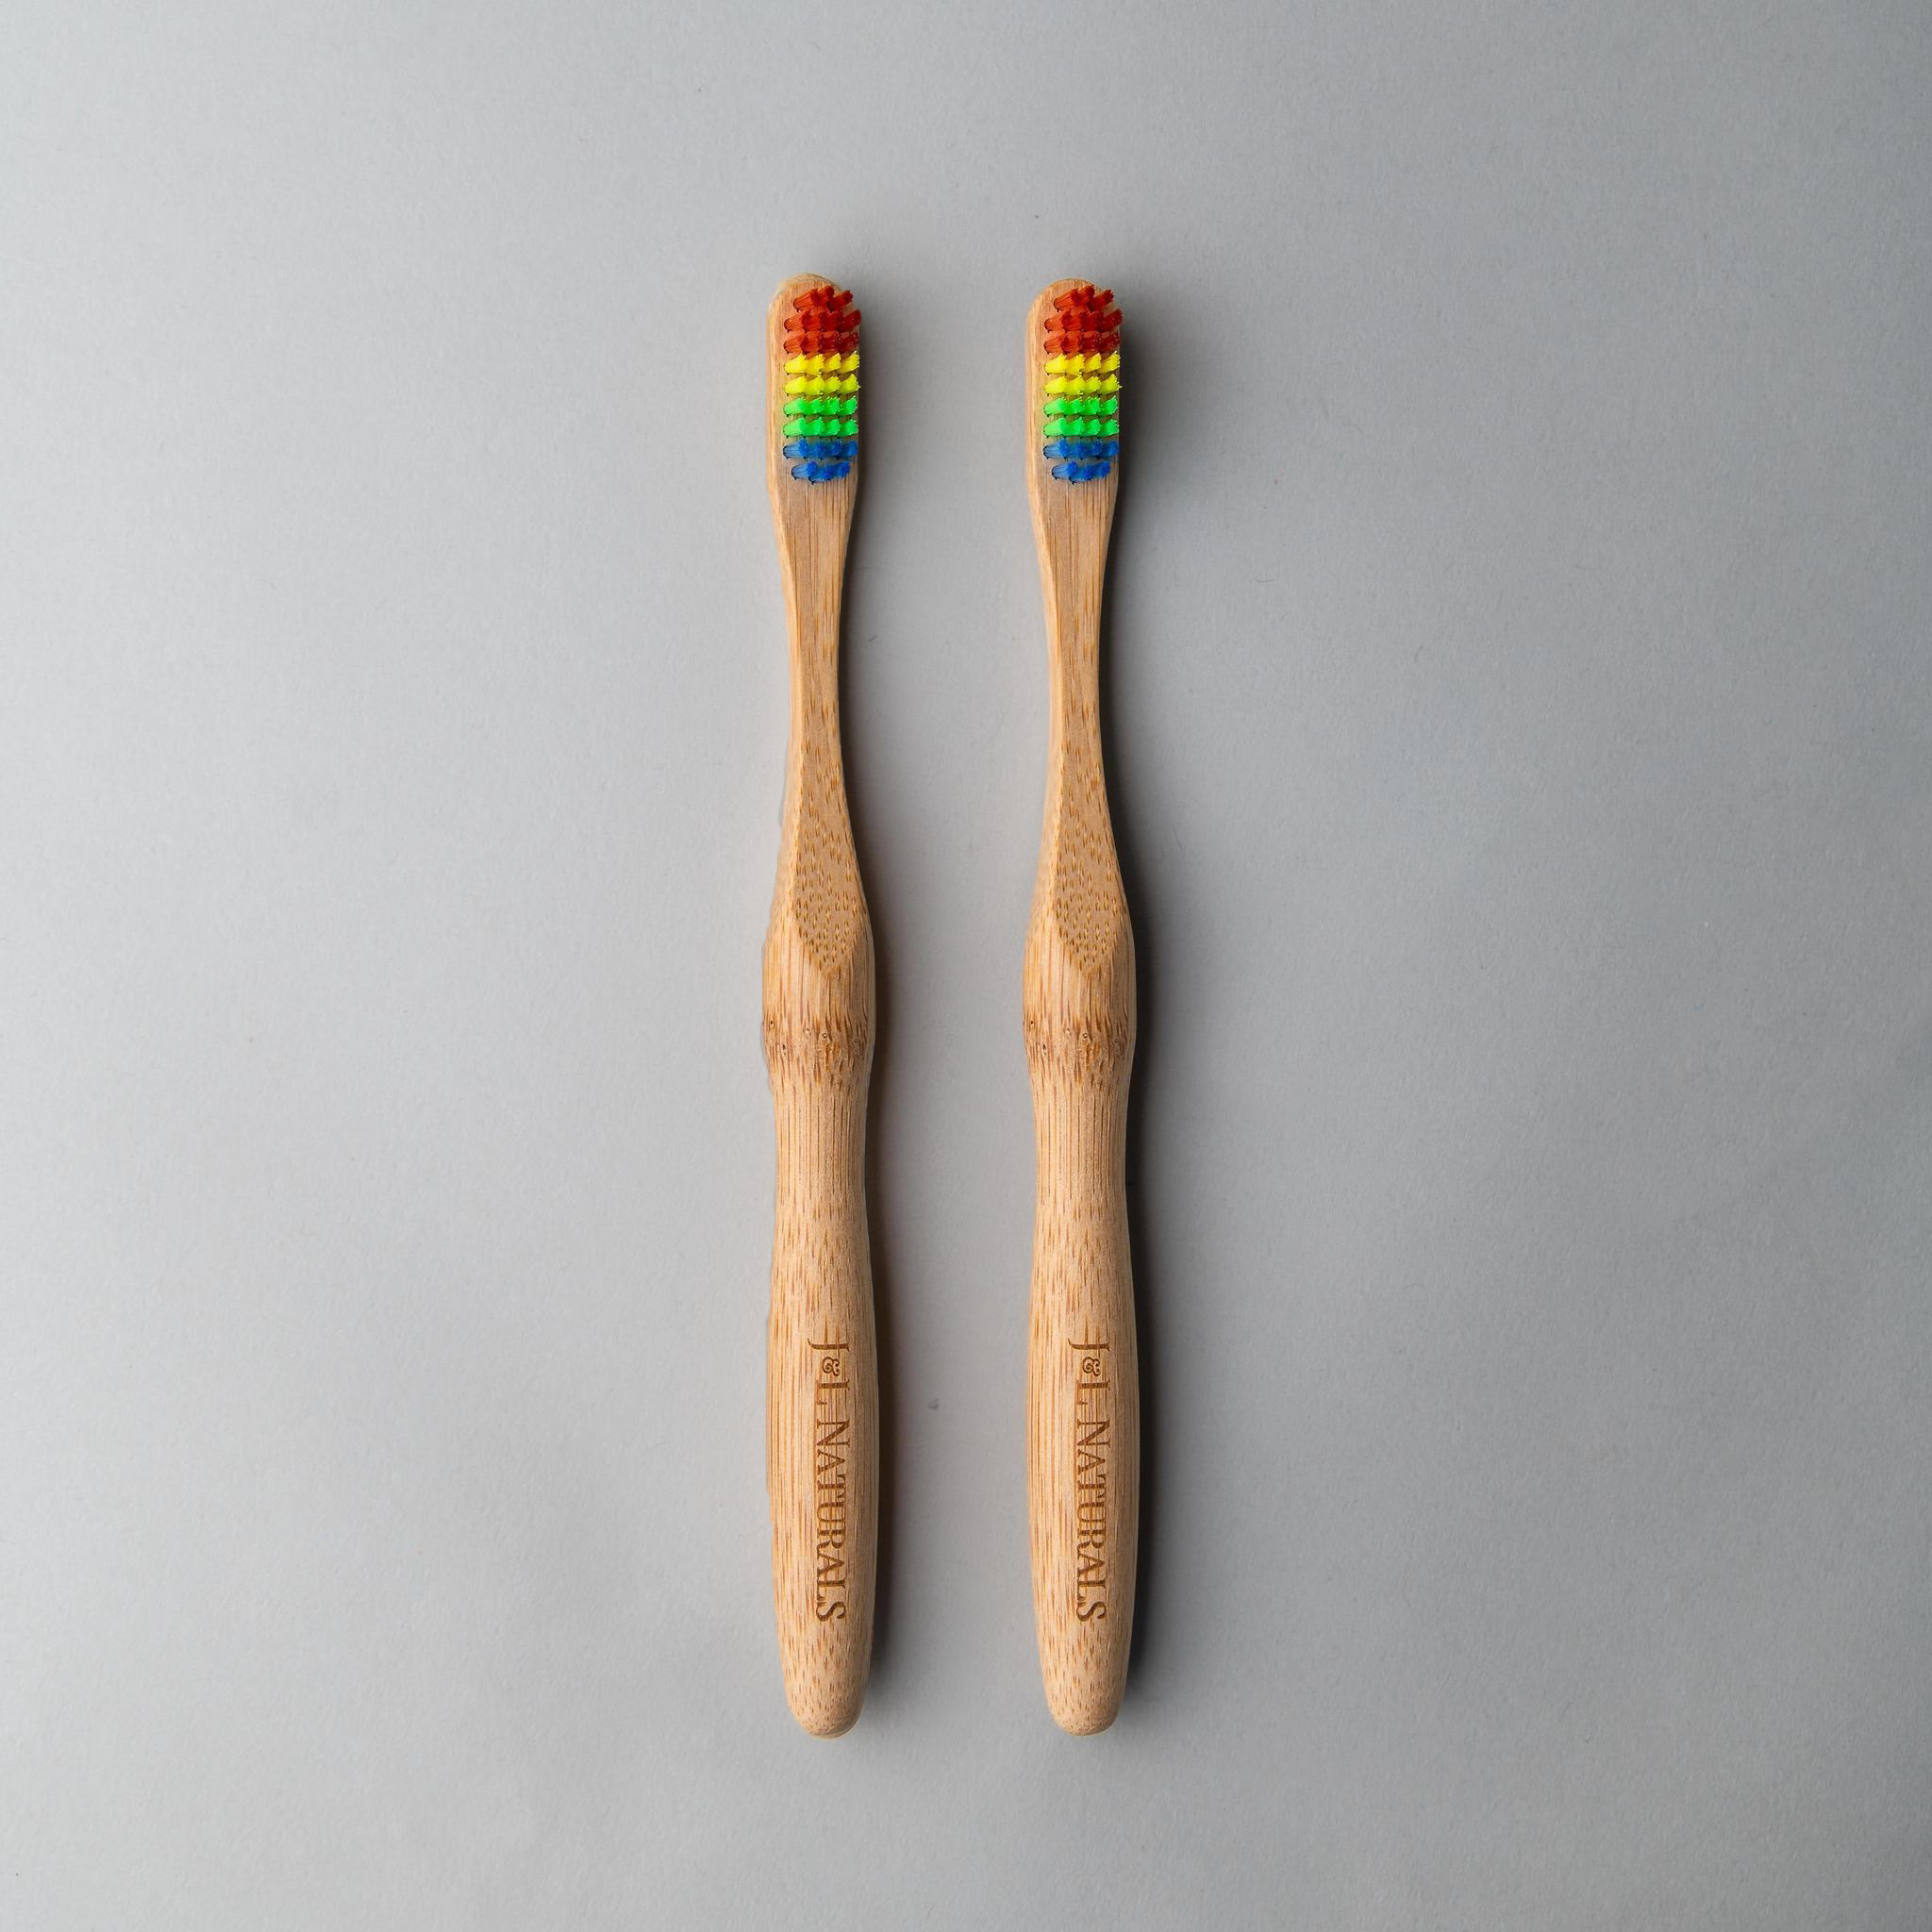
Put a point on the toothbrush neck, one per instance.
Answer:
(1077, 673)
(1073, 616)
(815, 733)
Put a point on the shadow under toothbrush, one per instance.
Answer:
(1143, 367)
(879, 1102)
(879, 1106)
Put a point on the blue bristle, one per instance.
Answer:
(822, 459)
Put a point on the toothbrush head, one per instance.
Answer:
(817, 382)
(1081, 382)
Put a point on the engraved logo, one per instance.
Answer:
(1093, 1459)
(831, 1451)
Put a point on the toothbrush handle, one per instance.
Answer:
(1083, 1400)
(821, 1373)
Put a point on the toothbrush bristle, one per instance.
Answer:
(1081, 385)
(821, 433)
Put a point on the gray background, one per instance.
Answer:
(1521, 733)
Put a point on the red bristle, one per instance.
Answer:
(1083, 342)
(1081, 324)
(820, 342)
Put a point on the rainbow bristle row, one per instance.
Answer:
(1081, 387)
(822, 384)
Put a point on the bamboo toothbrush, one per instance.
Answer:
(822, 1375)
(1083, 1404)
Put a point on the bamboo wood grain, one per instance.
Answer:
(1083, 1410)
(822, 1377)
